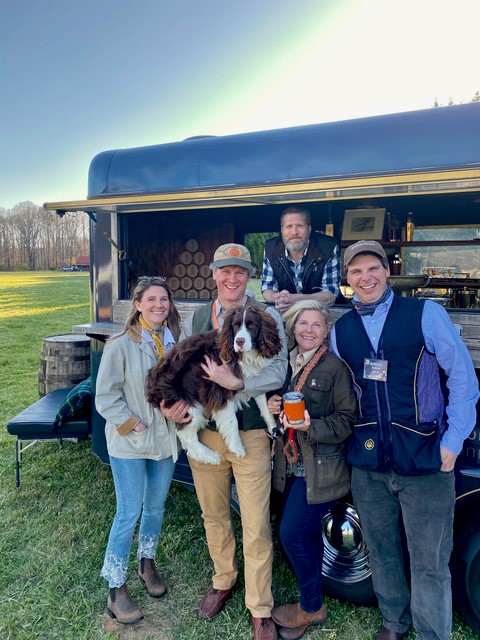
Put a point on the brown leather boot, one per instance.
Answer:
(121, 606)
(213, 602)
(293, 616)
(292, 633)
(147, 572)
(264, 629)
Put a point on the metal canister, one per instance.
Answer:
(294, 407)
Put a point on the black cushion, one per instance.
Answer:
(38, 420)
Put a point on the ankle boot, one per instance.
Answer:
(121, 606)
(147, 572)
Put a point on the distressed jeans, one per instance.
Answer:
(141, 488)
(425, 506)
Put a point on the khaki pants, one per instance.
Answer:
(253, 481)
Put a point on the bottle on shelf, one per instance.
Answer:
(409, 227)
(329, 229)
(392, 226)
(397, 265)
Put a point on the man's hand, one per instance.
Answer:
(274, 404)
(284, 300)
(178, 412)
(448, 459)
(221, 374)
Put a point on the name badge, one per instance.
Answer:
(374, 369)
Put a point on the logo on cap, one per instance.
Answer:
(234, 251)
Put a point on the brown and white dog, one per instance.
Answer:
(248, 339)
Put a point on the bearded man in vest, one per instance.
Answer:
(299, 264)
(231, 270)
(417, 392)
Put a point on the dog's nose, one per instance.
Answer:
(240, 342)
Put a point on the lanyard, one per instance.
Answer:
(215, 322)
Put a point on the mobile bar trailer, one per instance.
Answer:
(163, 209)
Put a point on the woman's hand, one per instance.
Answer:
(221, 374)
(275, 404)
(303, 426)
(178, 412)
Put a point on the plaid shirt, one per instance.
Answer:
(330, 279)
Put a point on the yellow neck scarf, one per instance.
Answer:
(157, 336)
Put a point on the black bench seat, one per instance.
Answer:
(37, 422)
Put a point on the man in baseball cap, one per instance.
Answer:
(231, 269)
(364, 246)
(405, 444)
(232, 254)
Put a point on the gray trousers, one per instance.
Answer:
(425, 505)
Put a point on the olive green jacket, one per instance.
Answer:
(331, 403)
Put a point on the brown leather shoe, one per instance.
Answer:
(121, 606)
(294, 633)
(293, 616)
(264, 629)
(147, 572)
(214, 602)
(388, 634)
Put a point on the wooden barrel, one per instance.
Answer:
(192, 270)
(199, 283)
(186, 257)
(180, 270)
(186, 283)
(210, 284)
(199, 257)
(191, 245)
(173, 283)
(65, 361)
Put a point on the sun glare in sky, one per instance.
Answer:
(104, 75)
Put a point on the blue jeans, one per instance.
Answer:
(141, 487)
(300, 535)
(425, 506)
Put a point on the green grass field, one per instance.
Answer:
(55, 528)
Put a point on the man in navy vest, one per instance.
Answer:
(299, 264)
(417, 393)
(231, 270)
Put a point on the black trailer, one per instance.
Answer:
(160, 209)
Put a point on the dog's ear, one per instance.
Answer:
(269, 343)
(152, 390)
(226, 338)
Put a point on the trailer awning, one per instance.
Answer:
(418, 152)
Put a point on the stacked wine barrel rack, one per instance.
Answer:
(192, 277)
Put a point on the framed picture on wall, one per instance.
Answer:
(363, 224)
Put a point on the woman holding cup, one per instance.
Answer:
(310, 469)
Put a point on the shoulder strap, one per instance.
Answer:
(309, 367)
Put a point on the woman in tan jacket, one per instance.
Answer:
(309, 464)
(142, 444)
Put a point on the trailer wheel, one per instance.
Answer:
(465, 567)
(346, 567)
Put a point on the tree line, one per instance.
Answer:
(33, 238)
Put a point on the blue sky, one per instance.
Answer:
(81, 76)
